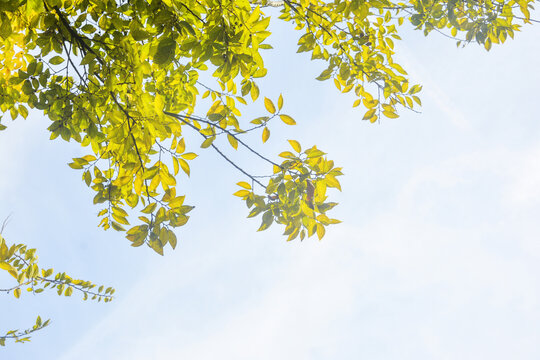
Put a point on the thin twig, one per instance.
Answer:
(183, 119)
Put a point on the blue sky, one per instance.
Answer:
(437, 256)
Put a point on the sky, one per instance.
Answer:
(437, 256)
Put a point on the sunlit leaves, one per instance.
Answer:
(296, 194)
(125, 82)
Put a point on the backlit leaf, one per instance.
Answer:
(269, 105)
(287, 119)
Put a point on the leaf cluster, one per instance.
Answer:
(296, 194)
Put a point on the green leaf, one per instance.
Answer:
(23, 111)
(156, 246)
(172, 239)
(5, 26)
(117, 226)
(56, 60)
(206, 143)
(165, 51)
(267, 220)
(34, 7)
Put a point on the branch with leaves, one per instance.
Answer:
(22, 336)
(22, 264)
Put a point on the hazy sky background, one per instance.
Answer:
(437, 256)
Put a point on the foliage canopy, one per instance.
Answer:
(124, 79)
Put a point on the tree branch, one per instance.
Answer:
(183, 119)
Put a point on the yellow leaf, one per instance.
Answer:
(321, 191)
(369, 114)
(232, 141)
(181, 147)
(287, 119)
(184, 165)
(280, 102)
(159, 104)
(120, 219)
(390, 114)
(320, 231)
(8, 268)
(175, 165)
(5, 266)
(306, 209)
(265, 134)
(295, 145)
(244, 184)
(168, 179)
(269, 105)
(241, 193)
(287, 155)
(189, 156)
(149, 209)
(254, 92)
(17, 293)
(177, 201)
(137, 185)
(331, 181)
